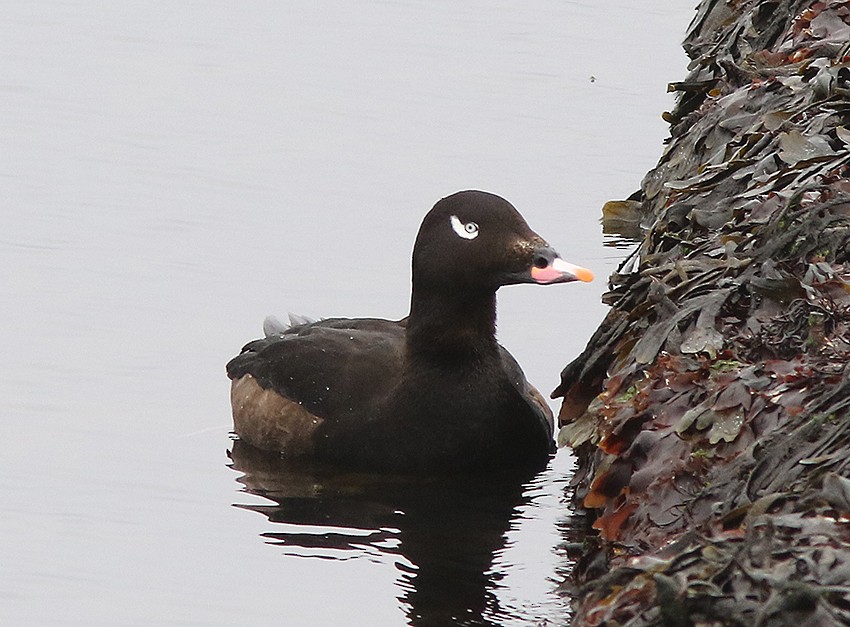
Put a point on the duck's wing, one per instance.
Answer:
(530, 394)
(333, 368)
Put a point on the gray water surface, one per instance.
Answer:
(170, 173)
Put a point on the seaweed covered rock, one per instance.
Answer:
(711, 411)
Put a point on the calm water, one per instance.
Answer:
(170, 173)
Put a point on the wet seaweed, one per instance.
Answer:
(711, 410)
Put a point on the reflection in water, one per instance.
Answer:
(621, 222)
(442, 532)
(620, 242)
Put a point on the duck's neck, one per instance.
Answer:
(447, 325)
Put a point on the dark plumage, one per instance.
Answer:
(432, 392)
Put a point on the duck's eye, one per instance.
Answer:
(468, 230)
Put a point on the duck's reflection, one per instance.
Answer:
(444, 531)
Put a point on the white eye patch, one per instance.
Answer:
(466, 231)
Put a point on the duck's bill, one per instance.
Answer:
(560, 271)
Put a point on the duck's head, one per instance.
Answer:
(478, 241)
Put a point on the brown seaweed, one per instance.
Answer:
(711, 411)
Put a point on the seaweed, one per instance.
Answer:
(710, 413)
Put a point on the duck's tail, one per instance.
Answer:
(273, 327)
